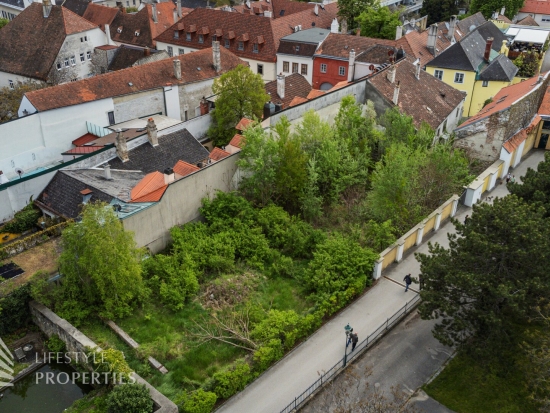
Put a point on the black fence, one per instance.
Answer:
(361, 347)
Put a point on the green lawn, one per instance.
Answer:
(164, 334)
(466, 386)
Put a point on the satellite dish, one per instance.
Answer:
(19, 172)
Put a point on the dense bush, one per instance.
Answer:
(199, 401)
(281, 325)
(23, 220)
(129, 398)
(267, 354)
(14, 310)
(55, 344)
(228, 382)
(111, 361)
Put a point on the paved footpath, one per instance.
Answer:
(277, 387)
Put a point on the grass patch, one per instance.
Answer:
(467, 386)
(93, 402)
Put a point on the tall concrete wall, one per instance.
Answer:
(138, 105)
(180, 204)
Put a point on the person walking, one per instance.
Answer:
(349, 338)
(508, 177)
(354, 339)
(408, 281)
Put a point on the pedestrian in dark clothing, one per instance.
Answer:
(508, 177)
(408, 281)
(354, 340)
(349, 338)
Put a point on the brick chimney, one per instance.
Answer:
(121, 148)
(46, 8)
(178, 3)
(452, 28)
(204, 107)
(146, 51)
(396, 94)
(334, 26)
(107, 172)
(432, 39)
(281, 85)
(154, 12)
(169, 176)
(177, 69)
(488, 46)
(391, 74)
(351, 65)
(216, 56)
(152, 132)
(398, 32)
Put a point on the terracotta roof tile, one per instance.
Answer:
(339, 45)
(295, 85)
(153, 196)
(30, 44)
(237, 141)
(100, 15)
(151, 182)
(218, 154)
(82, 150)
(248, 29)
(84, 139)
(183, 168)
(297, 101)
(339, 85)
(243, 124)
(511, 144)
(315, 93)
(527, 21)
(146, 77)
(536, 7)
(544, 109)
(504, 99)
(504, 19)
(425, 99)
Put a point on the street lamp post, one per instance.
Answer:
(347, 329)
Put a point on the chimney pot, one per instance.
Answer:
(152, 132)
(175, 16)
(391, 74)
(46, 8)
(281, 85)
(488, 46)
(395, 99)
(351, 65)
(398, 32)
(503, 10)
(146, 51)
(107, 172)
(216, 56)
(452, 28)
(417, 74)
(108, 34)
(432, 39)
(177, 69)
(204, 107)
(121, 147)
(179, 8)
(169, 176)
(154, 12)
(334, 26)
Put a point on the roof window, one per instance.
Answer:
(119, 29)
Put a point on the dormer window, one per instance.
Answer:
(176, 34)
(227, 43)
(201, 38)
(119, 29)
(136, 33)
(255, 47)
(297, 48)
(188, 37)
(240, 46)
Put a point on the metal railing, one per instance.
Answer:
(349, 356)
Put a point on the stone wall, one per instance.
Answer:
(50, 323)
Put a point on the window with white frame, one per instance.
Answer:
(304, 69)
(342, 70)
(170, 51)
(89, 55)
(12, 86)
(438, 74)
(181, 51)
(73, 61)
(82, 57)
(459, 77)
(286, 67)
(66, 62)
(323, 68)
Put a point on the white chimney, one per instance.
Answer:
(108, 34)
(281, 85)
(351, 68)
(121, 148)
(417, 73)
(452, 27)
(216, 56)
(152, 132)
(502, 11)
(179, 8)
(316, 10)
(169, 176)
(268, 13)
(175, 16)
(432, 38)
(107, 172)
(46, 8)
(334, 26)
(396, 94)
(398, 32)
(154, 12)
(177, 69)
(391, 74)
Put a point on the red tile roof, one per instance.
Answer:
(243, 124)
(149, 189)
(339, 45)
(131, 80)
(100, 15)
(297, 100)
(237, 141)
(218, 154)
(315, 93)
(295, 85)
(415, 43)
(30, 44)
(183, 168)
(504, 99)
(82, 150)
(84, 139)
(527, 21)
(504, 19)
(536, 7)
(544, 108)
(426, 99)
(246, 28)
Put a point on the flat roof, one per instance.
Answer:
(308, 36)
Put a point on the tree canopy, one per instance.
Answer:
(3, 22)
(535, 186)
(439, 10)
(10, 99)
(488, 7)
(351, 9)
(241, 94)
(378, 22)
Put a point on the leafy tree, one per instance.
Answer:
(311, 200)
(535, 186)
(129, 398)
(3, 22)
(350, 9)
(439, 10)
(100, 264)
(10, 99)
(528, 64)
(487, 282)
(241, 94)
(199, 401)
(488, 7)
(23, 220)
(378, 22)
